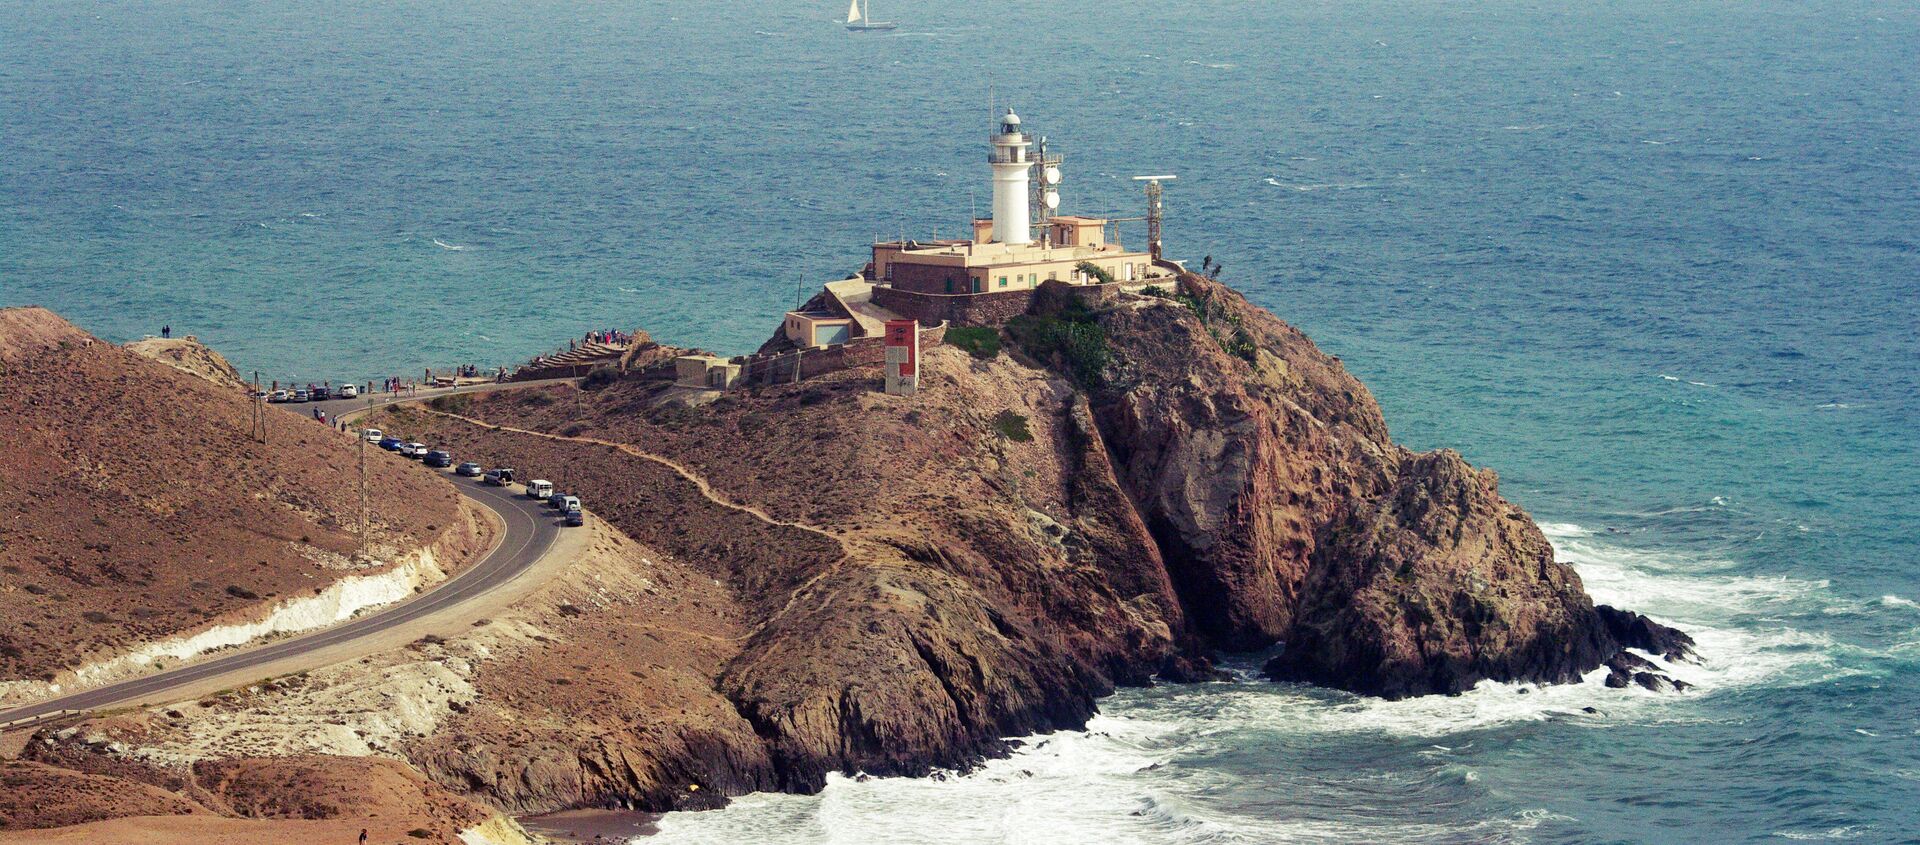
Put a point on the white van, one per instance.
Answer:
(539, 488)
(348, 391)
(372, 435)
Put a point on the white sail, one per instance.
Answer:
(853, 11)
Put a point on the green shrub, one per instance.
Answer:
(1012, 426)
(600, 377)
(453, 403)
(981, 342)
(1156, 290)
(1071, 341)
(1096, 271)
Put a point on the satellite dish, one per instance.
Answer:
(1051, 175)
(1052, 199)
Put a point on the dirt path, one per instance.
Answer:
(700, 483)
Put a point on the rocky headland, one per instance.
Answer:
(795, 579)
(1092, 496)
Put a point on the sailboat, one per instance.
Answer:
(858, 20)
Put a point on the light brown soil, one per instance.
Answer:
(138, 506)
(189, 356)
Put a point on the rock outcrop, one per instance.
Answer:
(190, 356)
(817, 577)
(1141, 483)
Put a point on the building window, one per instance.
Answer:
(1003, 281)
(1053, 275)
(949, 285)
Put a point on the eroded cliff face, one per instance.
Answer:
(1287, 515)
(913, 579)
(817, 577)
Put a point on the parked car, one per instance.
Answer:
(320, 394)
(539, 488)
(569, 503)
(468, 470)
(373, 435)
(500, 477)
(438, 458)
(278, 396)
(302, 395)
(557, 501)
(392, 443)
(576, 517)
(415, 450)
(348, 391)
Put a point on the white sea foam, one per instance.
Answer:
(450, 247)
(1897, 601)
(1318, 186)
(1118, 782)
(1133, 776)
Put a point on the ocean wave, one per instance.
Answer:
(449, 247)
(1146, 769)
(1117, 782)
(1324, 186)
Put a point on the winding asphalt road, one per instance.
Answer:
(530, 530)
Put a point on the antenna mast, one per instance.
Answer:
(1153, 211)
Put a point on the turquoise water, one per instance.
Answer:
(1657, 263)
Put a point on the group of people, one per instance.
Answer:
(612, 337)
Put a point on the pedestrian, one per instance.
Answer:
(166, 330)
(363, 836)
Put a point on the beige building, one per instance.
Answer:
(705, 371)
(979, 266)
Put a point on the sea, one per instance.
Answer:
(1658, 263)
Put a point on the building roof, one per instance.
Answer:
(856, 296)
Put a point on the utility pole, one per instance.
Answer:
(259, 411)
(363, 487)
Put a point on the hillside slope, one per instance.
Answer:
(917, 578)
(138, 506)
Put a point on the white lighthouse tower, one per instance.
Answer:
(1011, 224)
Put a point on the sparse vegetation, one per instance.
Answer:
(1012, 426)
(1072, 339)
(981, 342)
(1222, 325)
(600, 377)
(1095, 271)
(420, 833)
(450, 404)
(240, 592)
(1156, 291)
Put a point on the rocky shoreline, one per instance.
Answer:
(798, 579)
(986, 560)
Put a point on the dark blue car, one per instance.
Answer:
(391, 444)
